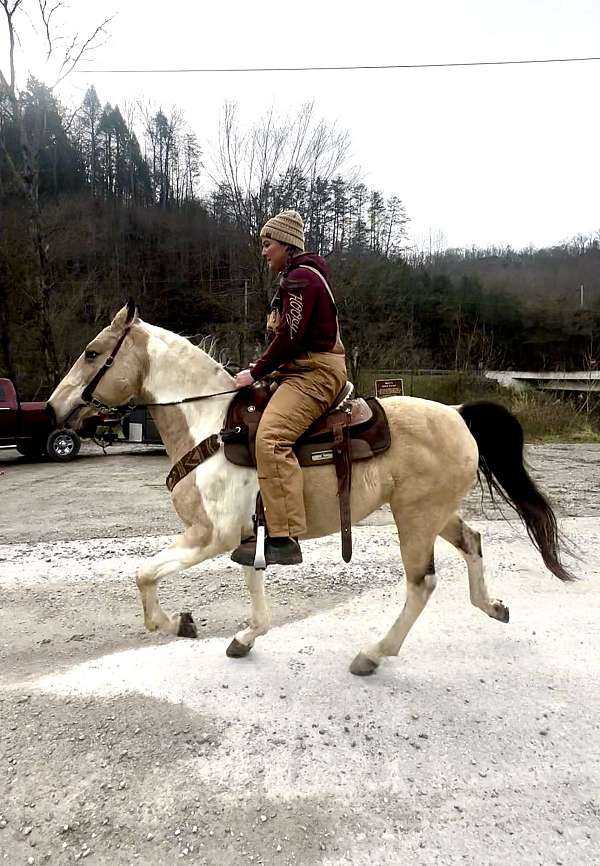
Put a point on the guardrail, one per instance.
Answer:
(581, 381)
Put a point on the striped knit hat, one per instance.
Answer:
(287, 227)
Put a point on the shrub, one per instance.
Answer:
(543, 415)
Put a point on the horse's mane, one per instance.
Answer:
(209, 344)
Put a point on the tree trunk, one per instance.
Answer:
(50, 360)
(30, 178)
(7, 363)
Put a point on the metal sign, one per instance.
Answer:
(389, 387)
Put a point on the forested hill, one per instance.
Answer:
(100, 202)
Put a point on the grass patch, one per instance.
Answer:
(545, 417)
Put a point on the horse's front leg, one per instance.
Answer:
(260, 619)
(185, 552)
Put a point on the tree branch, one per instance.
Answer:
(75, 52)
(10, 11)
(46, 15)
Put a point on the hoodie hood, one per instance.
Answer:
(314, 261)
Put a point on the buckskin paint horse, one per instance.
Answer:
(433, 461)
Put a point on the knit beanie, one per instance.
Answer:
(287, 227)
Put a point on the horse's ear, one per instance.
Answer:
(125, 316)
(131, 311)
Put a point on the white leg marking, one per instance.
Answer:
(468, 542)
(417, 596)
(154, 569)
(416, 547)
(260, 620)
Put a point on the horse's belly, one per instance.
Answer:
(370, 489)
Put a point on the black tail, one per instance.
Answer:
(499, 437)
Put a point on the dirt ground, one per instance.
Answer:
(479, 745)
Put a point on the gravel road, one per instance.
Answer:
(479, 745)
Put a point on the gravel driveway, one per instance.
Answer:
(479, 745)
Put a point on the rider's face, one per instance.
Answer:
(275, 253)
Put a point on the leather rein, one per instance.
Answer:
(189, 461)
(87, 395)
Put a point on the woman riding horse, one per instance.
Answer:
(307, 358)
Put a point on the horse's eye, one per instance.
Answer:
(90, 354)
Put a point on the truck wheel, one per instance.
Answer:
(63, 445)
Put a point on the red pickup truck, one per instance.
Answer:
(31, 428)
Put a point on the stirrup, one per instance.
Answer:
(260, 563)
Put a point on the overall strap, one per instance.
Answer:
(338, 338)
(341, 447)
(323, 280)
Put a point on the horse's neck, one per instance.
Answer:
(177, 369)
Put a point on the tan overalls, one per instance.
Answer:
(306, 388)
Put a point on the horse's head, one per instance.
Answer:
(109, 371)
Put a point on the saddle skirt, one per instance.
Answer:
(364, 419)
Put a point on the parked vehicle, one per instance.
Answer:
(31, 427)
(138, 426)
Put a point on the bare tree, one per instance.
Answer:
(166, 143)
(474, 345)
(394, 232)
(7, 359)
(89, 117)
(26, 174)
(279, 162)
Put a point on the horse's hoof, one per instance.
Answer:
(363, 666)
(500, 612)
(187, 626)
(237, 649)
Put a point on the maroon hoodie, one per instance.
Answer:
(306, 315)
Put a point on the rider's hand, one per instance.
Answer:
(243, 379)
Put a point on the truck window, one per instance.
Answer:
(3, 395)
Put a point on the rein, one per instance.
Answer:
(129, 407)
(189, 461)
(87, 395)
(186, 399)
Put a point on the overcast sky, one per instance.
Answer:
(483, 156)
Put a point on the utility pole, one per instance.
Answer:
(245, 337)
(581, 295)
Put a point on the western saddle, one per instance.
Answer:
(352, 429)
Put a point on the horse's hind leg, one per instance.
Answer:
(416, 546)
(468, 542)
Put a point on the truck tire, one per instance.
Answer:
(63, 445)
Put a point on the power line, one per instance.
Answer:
(382, 66)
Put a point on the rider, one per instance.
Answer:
(306, 357)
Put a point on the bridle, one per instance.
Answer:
(88, 399)
(87, 395)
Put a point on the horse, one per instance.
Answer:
(434, 460)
